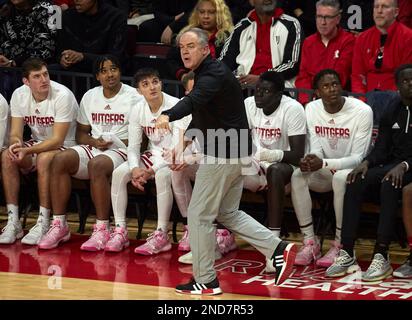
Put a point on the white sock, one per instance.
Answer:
(13, 213)
(275, 231)
(308, 232)
(164, 200)
(338, 233)
(61, 218)
(104, 222)
(44, 215)
(121, 224)
(162, 225)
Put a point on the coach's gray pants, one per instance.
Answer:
(216, 195)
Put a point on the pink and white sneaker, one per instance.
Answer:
(57, 233)
(157, 241)
(184, 242)
(329, 258)
(225, 241)
(308, 253)
(119, 240)
(98, 239)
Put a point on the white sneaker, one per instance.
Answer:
(11, 232)
(188, 257)
(379, 269)
(35, 233)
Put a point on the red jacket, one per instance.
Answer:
(316, 56)
(397, 51)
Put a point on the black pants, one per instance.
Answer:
(361, 189)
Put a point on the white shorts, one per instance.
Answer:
(86, 153)
(33, 168)
(148, 159)
(257, 181)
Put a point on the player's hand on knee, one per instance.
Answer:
(11, 151)
(102, 144)
(361, 170)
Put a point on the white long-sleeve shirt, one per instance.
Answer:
(341, 139)
(142, 121)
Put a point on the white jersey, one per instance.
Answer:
(342, 139)
(108, 115)
(60, 106)
(142, 121)
(273, 131)
(4, 121)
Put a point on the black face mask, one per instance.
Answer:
(379, 57)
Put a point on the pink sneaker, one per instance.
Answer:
(118, 241)
(98, 239)
(329, 258)
(156, 242)
(225, 241)
(309, 252)
(184, 242)
(57, 233)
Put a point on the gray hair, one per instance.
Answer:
(200, 33)
(329, 3)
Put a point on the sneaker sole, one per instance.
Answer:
(314, 260)
(190, 261)
(289, 256)
(109, 249)
(382, 277)
(18, 237)
(400, 275)
(179, 248)
(147, 253)
(204, 292)
(62, 240)
(352, 269)
(323, 264)
(31, 243)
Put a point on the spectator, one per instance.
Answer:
(214, 17)
(101, 135)
(266, 39)
(330, 48)
(50, 110)
(382, 173)
(25, 32)
(380, 50)
(278, 127)
(405, 12)
(340, 131)
(89, 30)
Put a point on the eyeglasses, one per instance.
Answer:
(326, 18)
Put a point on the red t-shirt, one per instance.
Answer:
(263, 59)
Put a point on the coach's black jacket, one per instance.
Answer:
(394, 143)
(216, 102)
